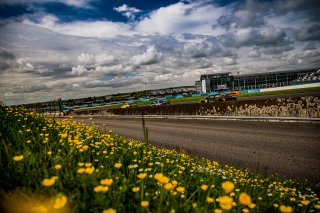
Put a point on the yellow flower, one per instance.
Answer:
(135, 189)
(227, 186)
(142, 175)
(286, 209)
(317, 206)
(49, 153)
(117, 165)
(252, 205)
(168, 186)
(204, 187)
(101, 188)
(111, 210)
(164, 180)
(144, 203)
(48, 181)
(18, 158)
(218, 211)
(88, 164)
(157, 176)
(245, 199)
(225, 202)
(107, 182)
(275, 205)
(64, 135)
(305, 202)
(89, 170)
(80, 164)
(210, 200)
(180, 189)
(81, 170)
(60, 202)
(57, 167)
(39, 209)
(245, 210)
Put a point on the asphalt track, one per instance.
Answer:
(288, 150)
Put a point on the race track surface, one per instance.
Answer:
(289, 150)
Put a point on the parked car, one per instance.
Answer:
(218, 97)
(159, 103)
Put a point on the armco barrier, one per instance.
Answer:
(307, 107)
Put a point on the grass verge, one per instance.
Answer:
(50, 165)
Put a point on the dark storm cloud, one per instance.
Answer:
(285, 6)
(6, 55)
(31, 88)
(263, 37)
(310, 46)
(309, 33)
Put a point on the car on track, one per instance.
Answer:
(126, 105)
(159, 103)
(218, 97)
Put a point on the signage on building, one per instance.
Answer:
(204, 88)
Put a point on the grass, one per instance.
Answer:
(197, 99)
(50, 165)
(291, 91)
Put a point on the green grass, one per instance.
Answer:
(140, 177)
(187, 99)
(291, 91)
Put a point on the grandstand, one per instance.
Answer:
(218, 81)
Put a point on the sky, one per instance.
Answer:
(52, 49)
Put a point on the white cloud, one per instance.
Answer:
(127, 11)
(76, 3)
(229, 61)
(151, 56)
(78, 70)
(96, 60)
(96, 29)
(183, 18)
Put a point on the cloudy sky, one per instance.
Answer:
(52, 49)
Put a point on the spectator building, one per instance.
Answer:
(228, 81)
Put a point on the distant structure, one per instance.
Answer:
(220, 81)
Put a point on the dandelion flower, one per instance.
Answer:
(210, 200)
(142, 175)
(101, 188)
(218, 211)
(245, 199)
(136, 189)
(89, 170)
(286, 209)
(117, 165)
(180, 189)
(225, 202)
(81, 170)
(305, 202)
(168, 186)
(80, 164)
(245, 210)
(60, 202)
(57, 167)
(204, 187)
(227, 186)
(18, 158)
(39, 209)
(48, 181)
(144, 203)
(64, 135)
(107, 182)
(110, 210)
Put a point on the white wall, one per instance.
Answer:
(291, 87)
